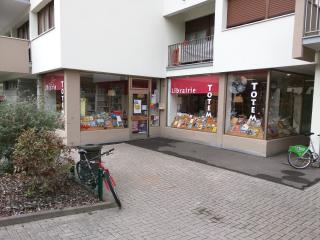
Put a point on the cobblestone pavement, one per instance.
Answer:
(165, 197)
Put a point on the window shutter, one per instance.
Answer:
(281, 7)
(245, 11)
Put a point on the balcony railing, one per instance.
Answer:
(191, 52)
(312, 18)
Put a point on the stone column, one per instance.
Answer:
(315, 121)
(72, 107)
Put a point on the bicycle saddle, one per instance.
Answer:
(82, 151)
(308, 134)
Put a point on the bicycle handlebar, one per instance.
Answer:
(105, 153)
(108, 152)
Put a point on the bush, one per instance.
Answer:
(17, 117)
(43, 157)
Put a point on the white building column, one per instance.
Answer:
(72, 107)
(315, 122)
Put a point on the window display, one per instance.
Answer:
(288, 92)
(246, 97)
(103, 102)
(194, 103)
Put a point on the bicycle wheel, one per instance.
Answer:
(113, 190)
(299, 162)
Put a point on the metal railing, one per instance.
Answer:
(312, 18)
(191, 52)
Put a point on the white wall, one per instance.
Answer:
(122, 36)
(46, 48)
(46, 54)
(175, 6)
(315, 121)
(259, 45)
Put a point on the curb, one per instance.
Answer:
(6, 221)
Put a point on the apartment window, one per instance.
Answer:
(23, 31)
(200, 27)
(247, 11)
(46, 18)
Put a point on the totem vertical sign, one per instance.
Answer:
(253, 96)
(62, 96)
(209, 99)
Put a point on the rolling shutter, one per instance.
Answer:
(281, 7)
(245, 11)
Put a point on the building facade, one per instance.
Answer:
(235, 74)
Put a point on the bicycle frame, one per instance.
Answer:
(301, 150)
(103, 173)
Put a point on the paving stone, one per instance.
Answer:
(166, 197)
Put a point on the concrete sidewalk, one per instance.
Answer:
(166, 197)
(275, 169)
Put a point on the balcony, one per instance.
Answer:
(191, 52)
(14, 55)
(311, 34)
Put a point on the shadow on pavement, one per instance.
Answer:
(274, 169)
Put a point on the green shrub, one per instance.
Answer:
(17, 117)
(43, 157)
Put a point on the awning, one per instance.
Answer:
(53, 82)
(195, 85)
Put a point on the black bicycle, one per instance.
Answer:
(92, 173)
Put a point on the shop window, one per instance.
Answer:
(46, 18)
(54, 92)
(154, 103)
(104, 102)
(193, 103)
(290, 104)
(245, 107)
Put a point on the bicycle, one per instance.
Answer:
(300, 156)
(90, 171)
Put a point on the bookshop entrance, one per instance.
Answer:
(139, 108)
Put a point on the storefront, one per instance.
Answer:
(257, 112)
(54, 92)
(111, 102)
(194, 109)
(103, 108)
(266, 111)
(194, 103)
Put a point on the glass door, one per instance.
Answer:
(140, 115)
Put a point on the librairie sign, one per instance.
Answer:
(53, 82)
(195, 85)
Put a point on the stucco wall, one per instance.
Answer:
(46, 48)
(122, 37)
(265, 44)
